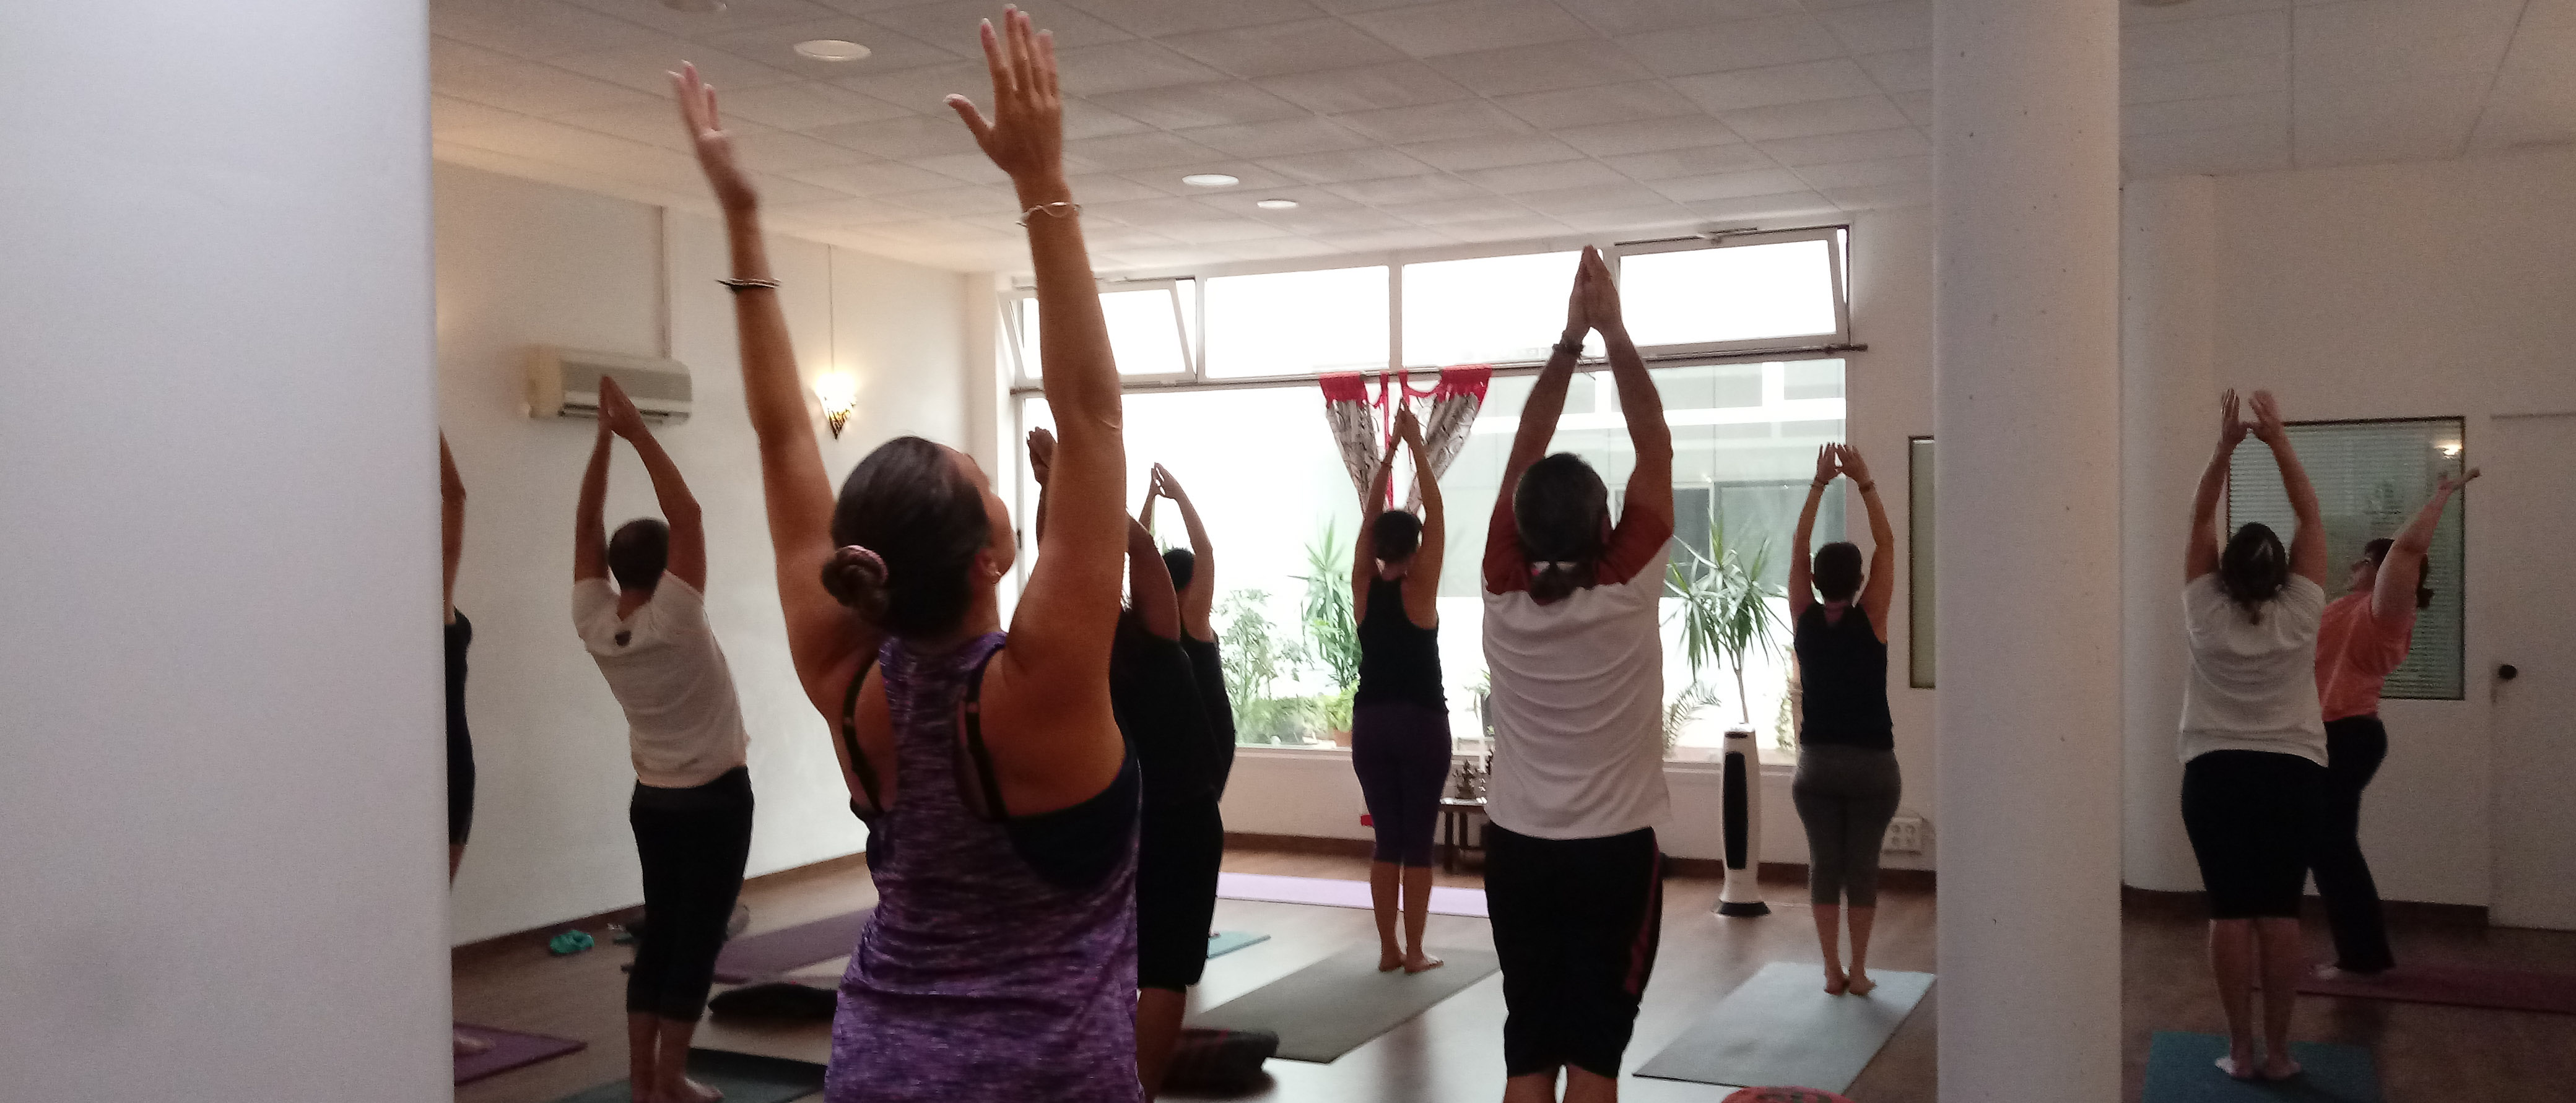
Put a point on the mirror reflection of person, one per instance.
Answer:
(691, 808)
(1000, 798)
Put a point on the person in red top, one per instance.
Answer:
(2363, 636)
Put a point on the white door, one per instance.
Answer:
(2526, 507)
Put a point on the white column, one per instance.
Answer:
(2168, 410)
(2026, 318)
(225, 856)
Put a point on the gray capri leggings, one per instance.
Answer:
(1845, 796)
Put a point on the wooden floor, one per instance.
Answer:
(1454, 1051)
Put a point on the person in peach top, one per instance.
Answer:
(2362, 637)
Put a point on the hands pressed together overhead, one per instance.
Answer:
(1594, 305)
(617, 413)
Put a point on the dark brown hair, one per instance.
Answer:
(924, 520)
(2253, 569)
(639, 552)
(1397, 533)
(1562, 510)
(1837, 571)
(1182, 565)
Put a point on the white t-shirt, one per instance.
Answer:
(683, 723)
(2252, 686)
(1578, 695)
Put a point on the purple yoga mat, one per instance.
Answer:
(773, 952)
(2459, 986)
(1335, 893)
(510, 1049)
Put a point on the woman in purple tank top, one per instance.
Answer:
(1001, 960)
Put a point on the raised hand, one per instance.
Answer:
(2231, 423)
(1166, 485)
(1828, 465)
(617, 413)
(1848, 458)
(1600, 293)
(1041, 453)
(1407, 428)
(714, 146)
(2454, 482)
(1025, 136)
(2267, 420)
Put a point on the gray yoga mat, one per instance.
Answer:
(742, 1077)
(1780, 1029)
(1330, 1008)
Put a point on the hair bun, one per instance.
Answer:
(857, 578)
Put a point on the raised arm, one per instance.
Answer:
(1364, 547)
(589, 533)
(1649, 500)
(2308, 548)
(1539, 414)
(1422, 583)
(1058, 658)
(688, 557)
(1879, 591)
(2392, 598)
(1149, 584)
(451, 529)
(1802, 568)
(1198, 599)
(2200, 552)
(822, 637)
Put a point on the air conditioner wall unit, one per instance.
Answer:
(564, 382)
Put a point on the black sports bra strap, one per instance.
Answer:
(971, 722)
(850, 740)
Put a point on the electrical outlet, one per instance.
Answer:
(1904, 835)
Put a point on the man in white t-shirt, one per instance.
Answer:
(691, 810)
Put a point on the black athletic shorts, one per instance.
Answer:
(2253, 817)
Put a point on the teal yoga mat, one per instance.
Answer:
(1780, 1028)
(2181, 1069)
(742, 1077)
(1225, 942)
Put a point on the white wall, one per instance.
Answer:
(1889, 387)
(523, 263)
(221, 806)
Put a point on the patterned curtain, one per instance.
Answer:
(1363, 424)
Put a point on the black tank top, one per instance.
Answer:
(1842, 678)
(460, 636)
(1155, 696)
(1399, 660)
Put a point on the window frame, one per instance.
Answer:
(1837, 258)
(1022, 379)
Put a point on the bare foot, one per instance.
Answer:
(2338, 973)
(2238, 1067)
(1389, 960)
(468, 1046)
(1419, 962)
(1835, 981)
(1861, 984)
(690, 1091)
(2279, 1067)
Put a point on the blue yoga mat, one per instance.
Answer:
(2181, 1069)
(1225, 942)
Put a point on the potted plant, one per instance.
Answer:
(1332, 628)
(1726, 610)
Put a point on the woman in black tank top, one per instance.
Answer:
(1847, 785)
(1399, 719)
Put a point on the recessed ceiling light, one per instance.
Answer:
(702, 7)
(1276, 204)
(1210, 180)
(831, 49)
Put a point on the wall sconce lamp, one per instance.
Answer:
(838, 393)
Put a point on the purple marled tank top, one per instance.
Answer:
(977, 979)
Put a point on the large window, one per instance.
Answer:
(1296, 323)
(2371, 478)
(1488, 310)
(1149, 328)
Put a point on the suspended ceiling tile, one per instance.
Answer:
(1831, 148)
(1551, 176)
(1541, 68)
(1877, 28)
(1336, 166)
(1461, 154)
(1176, 17)
(1621, 17)
(1731, 185)
(1900, 70)
(955, 24)
(1182, 107)
(2206, 39)
(1123, 66)
(1466, 26)
(1366, 87)
(2192, 80)
(1607, 103)
(1649, 135)
(804, 105)
(1394, 191)
(1278, 137)
(1705, 161)
(1432, 122)
(1743, 44)
(1276, 49)
(1805, 82)
(1804, 120)
(533, 88)
(2211, 113)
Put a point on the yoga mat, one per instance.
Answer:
(2180, 1070)
(770, 953)
(2458, 985)
(1225, 942)
(742, 1077)
(511, 1049)
(1333, 893)
(1781, 1028)
(1329, 1008)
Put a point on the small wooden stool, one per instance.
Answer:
(1458, 815)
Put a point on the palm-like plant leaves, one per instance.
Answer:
(1726, 609)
